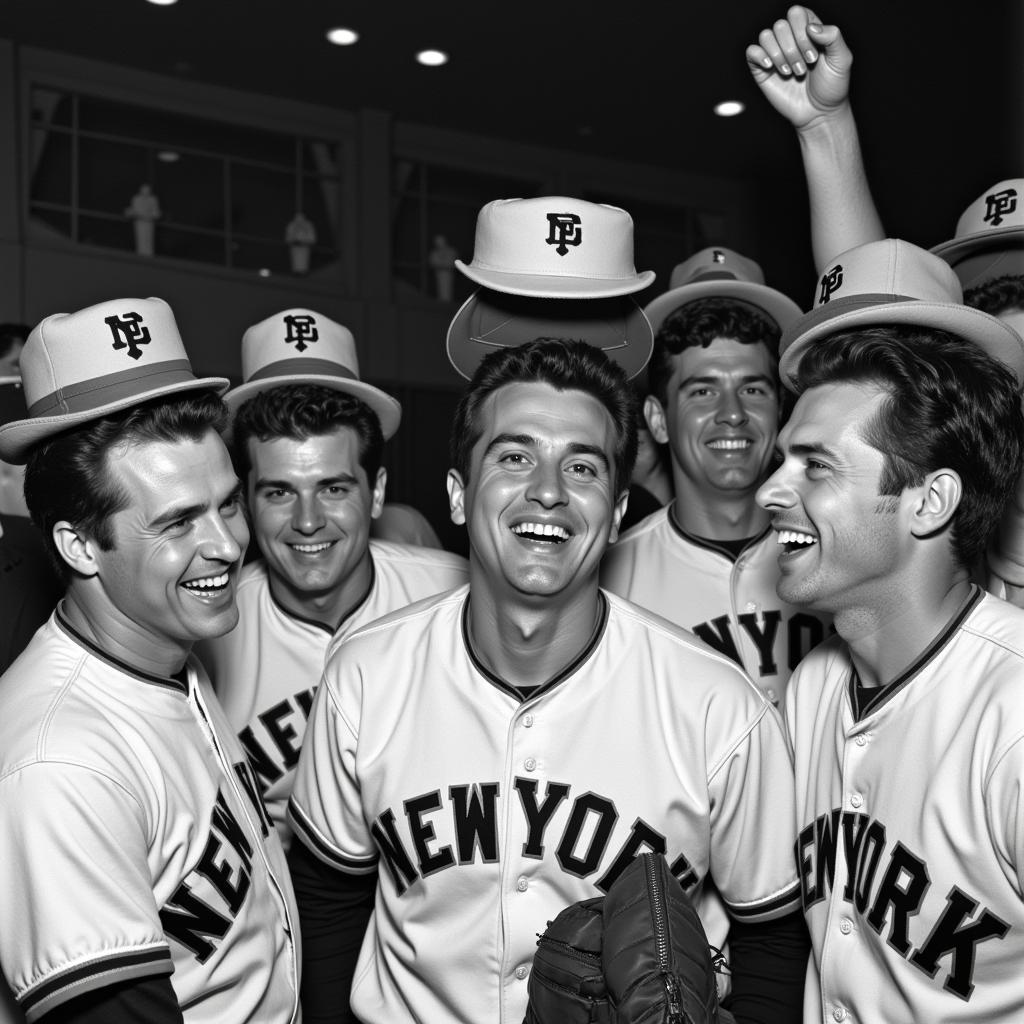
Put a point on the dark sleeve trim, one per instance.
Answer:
(785, 902)
(304, 830)
(101, 971)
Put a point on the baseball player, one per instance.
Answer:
(142, 878)
(907, 727)
(308, 438)
(478, 761)
(707, 561)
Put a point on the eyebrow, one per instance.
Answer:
(172, 515)
(716, 378)
(528, 441)
(287, 485)
(812, 449)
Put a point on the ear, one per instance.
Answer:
(936, 501)
(617, 513)
(377, 494)
(656, 419)
(456, 497)
(75, 548)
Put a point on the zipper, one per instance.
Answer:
(573, 952)
(661, 942)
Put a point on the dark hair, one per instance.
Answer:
(301, 411)
(950, 405)
(12, 333)
(567, 366)
(699, 323)
(997, 295)
(67, 477)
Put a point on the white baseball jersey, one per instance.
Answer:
(133, 842)
(729, 603)
(488, 814)
(911, 839)
(266, 670)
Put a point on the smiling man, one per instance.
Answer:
(479, 761)
(908, 726)
(707, 560)
(308, 438)
(143, 879)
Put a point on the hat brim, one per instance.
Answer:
(490, 320)
(18, 438)
(387, 409)
(555, 286)
(781, 308)
(991, 335)
(984, 255)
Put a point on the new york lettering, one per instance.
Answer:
(283, 727)
(226, 864)
(886, 885)
(801, 632)
(580, 847)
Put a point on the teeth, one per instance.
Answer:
(208, 583)
(311, 549)
(730, 445)
(793, 537)
(541, 530)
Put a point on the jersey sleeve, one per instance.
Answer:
(78, 912)
(325, 809)
(1004, 801)
(753, 823)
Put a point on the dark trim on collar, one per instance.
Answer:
(558, 677)
(707, 543)
(330, 631)
(883, 694)
(168, 682)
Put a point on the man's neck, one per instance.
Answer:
(726, 517)
(121, 637)
(527, 641)
(330, 608)
(885, 642)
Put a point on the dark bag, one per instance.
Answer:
(636, 956)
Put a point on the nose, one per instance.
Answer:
(225, 539)
(307, 515)
(730, 409)
(547, 485)
(776, 493)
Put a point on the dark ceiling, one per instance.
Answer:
(937, 87)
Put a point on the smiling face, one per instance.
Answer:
(841, 542)
(540, 503)
(311, 505)
(720, 419)
(177, 547)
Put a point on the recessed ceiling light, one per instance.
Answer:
(168, 156)
(432, 58)
(163, 3)
(342, 36)
(264, 272)
(729, 108)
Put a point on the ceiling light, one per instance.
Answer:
(264, 272)
(342, 36)
(432, 58)
(729, 108)
(168, 156)
(163, 3)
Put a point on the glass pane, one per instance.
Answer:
(51, 166)
(110, 174)
(55, 220)
(191, 191)
(263, 202)
(185, 244)
(110, 232)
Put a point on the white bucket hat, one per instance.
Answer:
(300, 346)
(892, 282)
(79, 367)
(989, 240)
(555, 247)
(717, 272)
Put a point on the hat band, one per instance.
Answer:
(311, 367)
(111, 387)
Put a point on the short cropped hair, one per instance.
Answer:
(949, 405)
(67, 476)
(998, 295)
(566, 365)
(301, 411)
(699, 323)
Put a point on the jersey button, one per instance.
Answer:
(771, 695)
(861, 740)
(839, 1013)
(751, 606)
(530, 764)
(522, 885)
(856, 800)
(846, 926)
(528, 721)
(521, 972)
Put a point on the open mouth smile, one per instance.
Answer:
(794, 540)
(545, 532)
(312, 549)
(208, 586)
(730, 444)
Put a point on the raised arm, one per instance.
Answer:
(803, 68)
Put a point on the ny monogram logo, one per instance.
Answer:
(301, 328)
(565, 230)
(998, 204)
(129, 332)
(831, 282)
